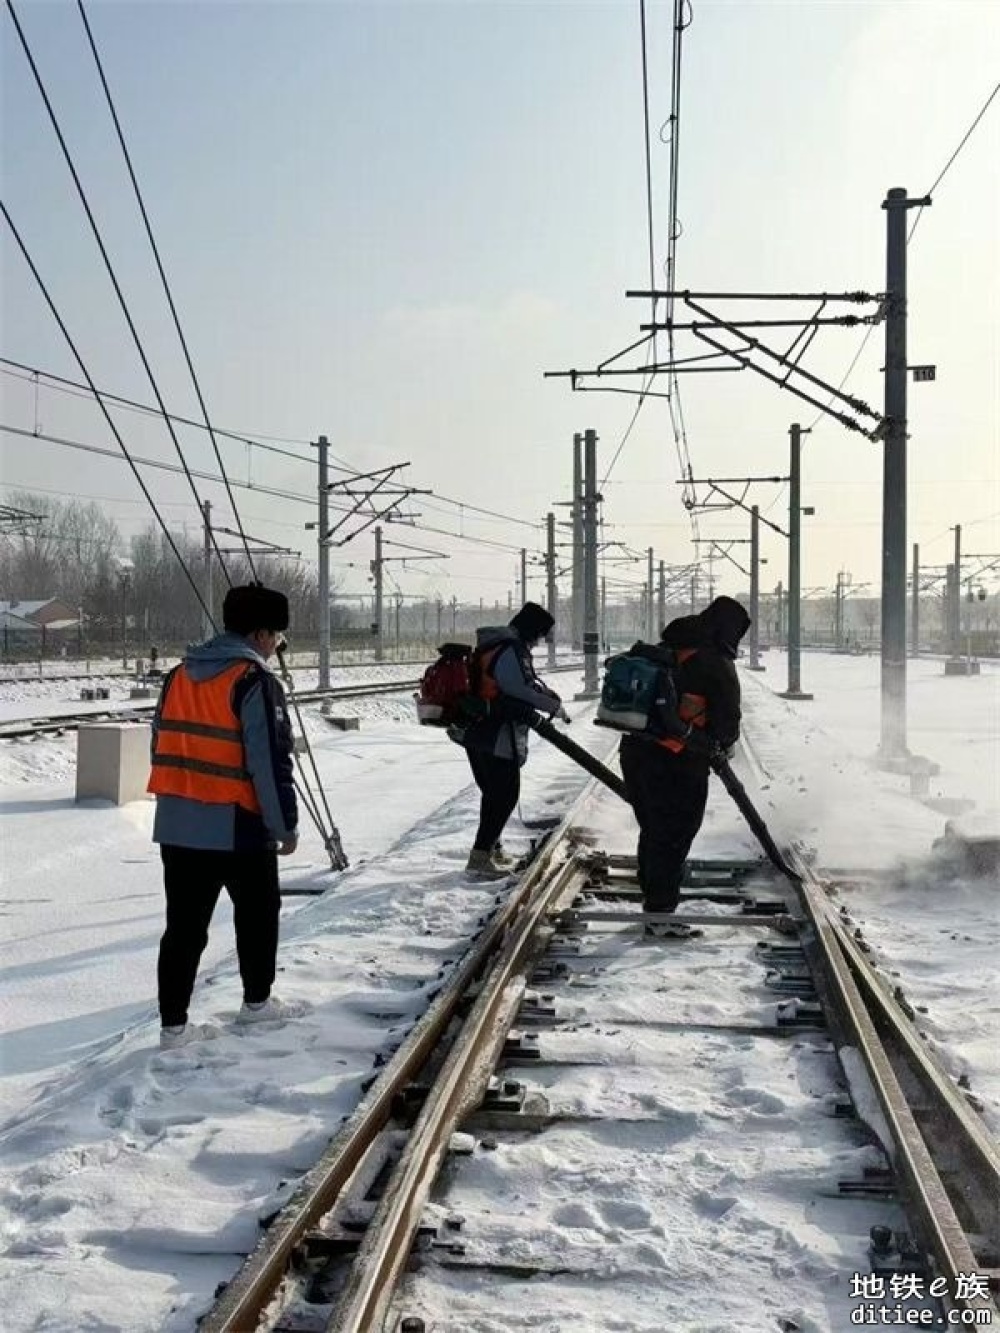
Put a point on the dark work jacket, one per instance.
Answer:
(710, 672)
(520, 695)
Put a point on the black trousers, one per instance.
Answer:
(193, 881)
(499, 780)
(668, 793)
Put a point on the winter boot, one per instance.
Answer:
(500, 858)
(184, 1034)
(271, 1010)
(482, 866)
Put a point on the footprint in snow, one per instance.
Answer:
(626, 1215)
(576, 1215)
(714, 1206)
(116, 1104)
(757, 1099)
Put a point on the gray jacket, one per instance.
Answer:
(503, 734)
(259, 702)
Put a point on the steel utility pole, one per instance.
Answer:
(838, 613)
(956, 599)
(754, 663)
(206, 556)
(377, 571)
(323, 563)
(915, 604)
(892, 744)
(524, 575)
(550, 582)
(650, 633)
(577, 515)
(794, 690)
(661, 600)
(591, 638)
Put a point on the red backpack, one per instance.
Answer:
(446, 687)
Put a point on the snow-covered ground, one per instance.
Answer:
(55, 696)
(133, 1180)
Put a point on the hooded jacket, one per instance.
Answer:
(504, 733)
(714, 634)
(258, 702)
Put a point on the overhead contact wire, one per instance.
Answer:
(651, 356)
(110, 268)
(107, 415)
(166, 286)
(947, 166)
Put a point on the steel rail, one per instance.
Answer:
(70, 721)
(244, 1299)
(457, 1090)
(45, 723)
(842, 973)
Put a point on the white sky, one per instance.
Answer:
(384, 222)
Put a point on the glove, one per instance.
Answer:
(720, 753)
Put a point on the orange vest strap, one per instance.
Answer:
(690, 708)
(487, 687)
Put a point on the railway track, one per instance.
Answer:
(144, 707)
(128, 674)
(495, 1089)
(138, 708)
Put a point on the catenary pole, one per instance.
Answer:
(650, 633)
(323, 563)
(956, 597)
(893, 656)
(590, 632)
(754, 663)
(377, 571)
(838, 613)
(524, 575)
(206, 557)
(794, 690)
(577, 513)
(550, 588)
(661, 601)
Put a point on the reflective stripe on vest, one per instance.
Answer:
(691, 708)
(199, 751)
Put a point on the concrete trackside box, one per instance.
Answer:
(112, 761)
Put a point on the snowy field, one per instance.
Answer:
(133, 1180)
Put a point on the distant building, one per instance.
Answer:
(34, 624)
(47, 611)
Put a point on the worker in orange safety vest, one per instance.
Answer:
(225, 807)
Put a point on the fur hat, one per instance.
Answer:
(253, 606)
(532, 622)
